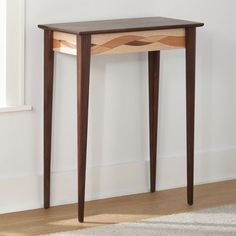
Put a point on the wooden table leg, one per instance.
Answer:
(83, 71)
(190, 97)
(153, 67)
(48, 95)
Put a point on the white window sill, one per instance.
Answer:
(8, 109)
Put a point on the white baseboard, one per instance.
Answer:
(25, 193)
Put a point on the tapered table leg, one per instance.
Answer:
(48, 95)
(154, 67)
(190, 97)
(83, 71)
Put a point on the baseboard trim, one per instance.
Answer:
(25, 192)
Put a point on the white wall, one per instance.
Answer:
(118, 122)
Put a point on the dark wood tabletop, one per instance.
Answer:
(120, 25)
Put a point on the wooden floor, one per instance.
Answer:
(120, 209)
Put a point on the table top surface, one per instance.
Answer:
(120, 25)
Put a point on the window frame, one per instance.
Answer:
(15, 57)
(3, 51)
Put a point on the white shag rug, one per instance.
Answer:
(211, 222)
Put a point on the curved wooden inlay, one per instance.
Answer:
(62, 43)
(173, 41)
(137, 43)
(120, 41)
(113, 43)
(56, 43)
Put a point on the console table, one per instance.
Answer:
(84, 39)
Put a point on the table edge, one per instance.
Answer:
(46, 27)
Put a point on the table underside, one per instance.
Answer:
(124, 42)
